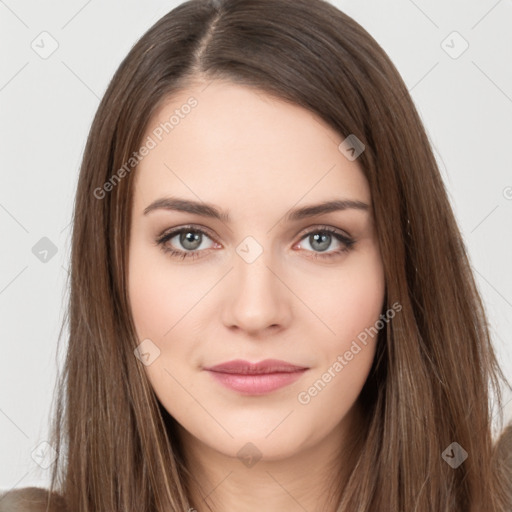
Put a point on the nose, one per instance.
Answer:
(258, 300)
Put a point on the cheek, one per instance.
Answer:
(351, 307)
(160, 295)
(151, 310)
(160, 298)
(361, 303)
(146, 301)
(349, 300)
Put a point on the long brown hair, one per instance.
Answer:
(435, 371)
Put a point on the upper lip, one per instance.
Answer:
(239, 366)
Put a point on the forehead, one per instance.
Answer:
(221, 141)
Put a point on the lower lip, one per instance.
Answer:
(256, 384)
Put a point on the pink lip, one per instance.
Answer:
(256, 378)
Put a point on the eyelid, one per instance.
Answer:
(192, 227)
(321, 227)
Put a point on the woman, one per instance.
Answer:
(258, 185)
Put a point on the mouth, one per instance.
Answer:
(256, 378)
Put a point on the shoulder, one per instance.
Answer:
(503, 448)
(29, 499)
(503, 463)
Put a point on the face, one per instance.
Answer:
(228, 261)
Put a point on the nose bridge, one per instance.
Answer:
(252, 268)
(259, 298)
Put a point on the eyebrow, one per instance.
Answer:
(209, 210)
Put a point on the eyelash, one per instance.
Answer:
(163, 238)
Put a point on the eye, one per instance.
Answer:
(188, 237)
(192, 239)
(321, 238)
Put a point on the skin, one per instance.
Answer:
(258, 157)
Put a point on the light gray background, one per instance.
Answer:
(47, 106)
